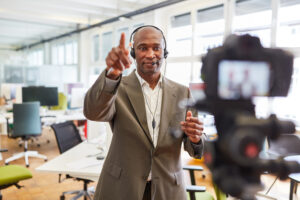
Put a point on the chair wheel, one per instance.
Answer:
(20, 145)
(6, 163)
(48, 141)
(46, 160)
(62, 197)
(38, 145)
(27, 166)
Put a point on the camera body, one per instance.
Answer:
(233, 74)
(248, 51)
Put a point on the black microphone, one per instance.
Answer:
(155, 63)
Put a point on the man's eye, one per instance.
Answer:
(156, 48)
(142, 48)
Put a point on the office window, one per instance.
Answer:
(254, 17)
(289, 23)
(209, 29)
(75, 52)
(71, 52)
(137, 25)
(54, 55)
(107, 41)
(96, 47)
(196, 72)
(295, 84)
(61, 54)
(36, 58)
(180, 36)
(179, 72)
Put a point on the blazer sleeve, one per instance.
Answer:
(99, 102)
(194, 150)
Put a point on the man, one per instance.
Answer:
(143, 161)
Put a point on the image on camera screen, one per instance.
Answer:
(239, 79)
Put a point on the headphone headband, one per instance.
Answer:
(132, 52)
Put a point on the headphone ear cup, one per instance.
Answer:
(132, 53)
(166, 53)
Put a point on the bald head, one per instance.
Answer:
(147, 33)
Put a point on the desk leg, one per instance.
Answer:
(3, 129)
(192, 176)
(0, 152)
(292, 185)
(192, 195)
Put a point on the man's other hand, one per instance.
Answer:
(117, 59)
(192, 127)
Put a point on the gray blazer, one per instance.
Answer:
(132, 154)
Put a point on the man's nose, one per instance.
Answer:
(150, 53)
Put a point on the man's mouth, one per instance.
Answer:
(152, 63)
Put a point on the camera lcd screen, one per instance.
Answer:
(243, 79)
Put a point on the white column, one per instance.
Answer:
(275, 22)
(229, 12)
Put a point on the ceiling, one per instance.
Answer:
(24, 22)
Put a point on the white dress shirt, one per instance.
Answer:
(153, 99)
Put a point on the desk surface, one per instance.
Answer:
(295, 176)
(76, 162)
(61, 116)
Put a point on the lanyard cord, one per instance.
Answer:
(153, 114)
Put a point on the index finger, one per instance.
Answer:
(195, 120)
(122, 41)
(189, 114)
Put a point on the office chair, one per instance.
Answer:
(286, 145)
(196, 192)
(27, 124)
(67, 136)
(11, 175)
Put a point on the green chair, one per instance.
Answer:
(219, 194)
(11, 175)
(202, 196)
(62, 102)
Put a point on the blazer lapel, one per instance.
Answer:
(135, 94)
(168, 99)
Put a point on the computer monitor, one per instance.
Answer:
(47, 96)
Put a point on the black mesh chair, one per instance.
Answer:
(67, 136)
(286, 145)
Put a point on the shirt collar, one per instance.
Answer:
(143, 82)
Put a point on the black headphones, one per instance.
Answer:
(132, 52)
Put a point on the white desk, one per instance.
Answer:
(51, 117)
(76, 163)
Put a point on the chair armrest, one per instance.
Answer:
(193, 167)
(195, 188)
